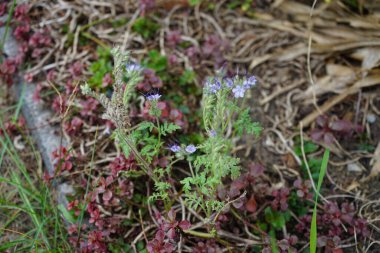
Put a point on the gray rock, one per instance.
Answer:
(37, 118)
(10, 45)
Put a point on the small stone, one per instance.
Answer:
(354, 167)
(371, 118)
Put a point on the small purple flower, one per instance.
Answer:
(153, 97)
(228, 82)
(132, 67)
(190, 149)
(250, 82)
(238, 91)
(213, 86)
(175, 148)
(212, 133)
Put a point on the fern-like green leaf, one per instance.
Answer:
(146, 125)
(245, 124)
(168, 128)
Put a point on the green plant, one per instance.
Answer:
(100, 68)
(145, 27)
(28, 197)
(313, 229)
(209, 162)
(276, 219)
(314, 163)
(158, 63)
(244, 5)
(187, 77)
(195, 2)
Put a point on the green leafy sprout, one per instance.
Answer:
(313, 229)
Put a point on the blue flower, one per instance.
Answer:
(250, 82)
(175, 148)
(228, 82)
(132, 68)
(190, 149)
(238, 91)
(153, 97)
(213, 85)
(212, 133)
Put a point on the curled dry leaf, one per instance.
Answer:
(370, 57)
(17, 142)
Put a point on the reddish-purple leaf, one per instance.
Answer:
(168, 248)
(341, 126)
(251, 204)
(150, 247)
(233, 192)
(238, 203)
(238, 184)
(171, 233)
(328, 138)
(109, 180)
(316, 134)
(185, 225)
(321, 121)
(256, 170)
(297, 183)
(160, 235)
(171, 214)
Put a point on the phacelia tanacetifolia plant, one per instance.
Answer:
(208, 163)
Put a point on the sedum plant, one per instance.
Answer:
(209, 162)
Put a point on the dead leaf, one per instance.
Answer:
(353, 186)
(365, 82)
(370, 57)
(354, 167)
(337, 80)
(290, 161)
(18, 144)
(375, 162)
(169, 4)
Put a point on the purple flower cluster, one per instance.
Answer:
(133, 68)
(213, 85)
(153, 97)
(188, 149)
(175, 148)
(239, 91)
(238, 85)
(212, 133)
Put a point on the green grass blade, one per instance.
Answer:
(66, 213)
(19, 104)
(313, 230)
(17, 180)
(10, 14)
(273, 242)
(45, 231)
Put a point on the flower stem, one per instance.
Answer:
(199, 234)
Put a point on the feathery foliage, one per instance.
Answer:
(209, 162)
